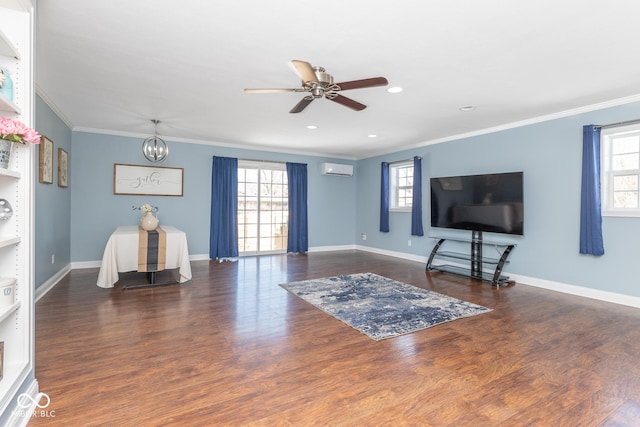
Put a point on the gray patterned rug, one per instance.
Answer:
(380, 307)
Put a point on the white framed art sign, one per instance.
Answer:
(147, 180)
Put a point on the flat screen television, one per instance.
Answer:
(489, 202)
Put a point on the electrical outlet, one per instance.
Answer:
(409, 243)
(53, 259)
(363, 236)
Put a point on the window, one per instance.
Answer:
(263, 210)
(620, 171)
(401, 186)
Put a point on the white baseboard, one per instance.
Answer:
(51, 282)
(410, 257)
(96, 264)
(85, 264)
(581, 291)
(565, 288)
(332, 248)
(205, 257)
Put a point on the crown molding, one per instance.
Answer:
(548, 117)
(506, 126)
(212, 143)
(58, 112)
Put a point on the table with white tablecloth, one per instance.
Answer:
(121, 254)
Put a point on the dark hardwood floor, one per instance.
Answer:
(233, 348)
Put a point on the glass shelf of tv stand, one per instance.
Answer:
(466, 257)
(475, 257)
(466, 272)
(486, 242)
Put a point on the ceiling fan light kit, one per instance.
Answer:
(319, 84)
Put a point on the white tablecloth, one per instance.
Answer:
(121, 254)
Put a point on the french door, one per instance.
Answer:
(262, 207)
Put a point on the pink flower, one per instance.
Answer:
(15, 131)
(31, 136)
(7, 126)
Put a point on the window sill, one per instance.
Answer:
(622, 214)
(400, 210)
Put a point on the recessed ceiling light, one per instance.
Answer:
(468, 108)
(372, 135)
(312, 127)
(394, 89)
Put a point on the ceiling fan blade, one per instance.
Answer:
(302, 104)
(304, 70)
(359, 84)
(270, 90)
(348, 102)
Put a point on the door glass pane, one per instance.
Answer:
(262, 210)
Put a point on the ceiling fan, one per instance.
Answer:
(319, 84)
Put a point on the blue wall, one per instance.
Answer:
(96, 211)
(75, 223)
(53, 203)
(549, 154)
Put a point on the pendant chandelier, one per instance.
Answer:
(154, 148)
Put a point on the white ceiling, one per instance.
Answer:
(110, 66)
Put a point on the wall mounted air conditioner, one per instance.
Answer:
(336, 169)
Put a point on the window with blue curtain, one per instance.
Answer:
(223, 240)
(416, 206)
(590, 206)
(384, 197)
(298, 239)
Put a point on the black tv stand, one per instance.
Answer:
(475, 259)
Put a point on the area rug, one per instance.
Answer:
(380, 307)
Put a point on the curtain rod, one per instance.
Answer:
(611, 125)
(265, 161)
(261, 161)
(405, 160)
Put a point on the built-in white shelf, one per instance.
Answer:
(16, 185)
(7, 48)
(8, 241)
(9, 106)
(12, 372)
(5, 312)
(10, 173)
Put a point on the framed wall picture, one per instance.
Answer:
(63, 168)
(147, 180)
(46, 160)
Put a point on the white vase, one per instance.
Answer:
(5, 153)
(148, 222)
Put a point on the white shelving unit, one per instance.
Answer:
(17, 187)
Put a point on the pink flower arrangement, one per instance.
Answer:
(15, 131)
